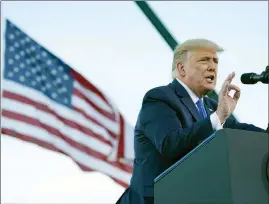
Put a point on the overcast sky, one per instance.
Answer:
(115, 47)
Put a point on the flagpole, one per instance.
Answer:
(163, 31)
(160, 27)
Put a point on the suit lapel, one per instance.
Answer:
(208, 107)
(192, 108)
(208, 112)
(186, 99)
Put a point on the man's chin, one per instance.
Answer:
(209, 88)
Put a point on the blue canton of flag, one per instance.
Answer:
(29, 64)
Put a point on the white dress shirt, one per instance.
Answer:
(216, 125)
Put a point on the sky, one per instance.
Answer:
(115, 47)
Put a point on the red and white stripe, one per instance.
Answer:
(89, 133)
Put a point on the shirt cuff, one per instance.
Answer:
(216, 125)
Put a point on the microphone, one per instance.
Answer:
(252, 78)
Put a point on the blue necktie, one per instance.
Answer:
(201, 108)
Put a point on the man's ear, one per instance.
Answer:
(181, 69)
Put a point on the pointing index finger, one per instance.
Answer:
(227, 83)
(230, 77)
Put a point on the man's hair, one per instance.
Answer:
(182, 51)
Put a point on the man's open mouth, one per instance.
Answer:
(210, 78)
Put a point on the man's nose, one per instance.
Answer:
(212, 68)
(212, 65)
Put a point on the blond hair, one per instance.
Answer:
(182, 51)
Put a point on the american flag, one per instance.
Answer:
(46, 102)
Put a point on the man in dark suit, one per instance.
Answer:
(175, 118)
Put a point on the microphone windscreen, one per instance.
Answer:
(247, 78)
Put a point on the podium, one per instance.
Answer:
(229, 167)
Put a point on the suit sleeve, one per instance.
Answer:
(233, 124)
(162, 126)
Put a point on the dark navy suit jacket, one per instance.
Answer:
(168, 127)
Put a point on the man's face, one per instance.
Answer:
(201, 71)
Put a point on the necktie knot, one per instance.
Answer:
(201, 108)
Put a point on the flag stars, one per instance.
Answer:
(10, 74)
(43, 88)
(17, 57)
(38, 78)
(22, 65)
(65, 100)
(53, 72)
(22, 41)
(16, 45)
(22, 53)
(66, 77)
(54, 83)
(22, 78)
(38, 68)
(54, 95)
(16, 69)
(49, 62)
(48, 85)
(44, 54)
(11, 36)
(17, 32)
(33, 48)
(60, 68)
(33, 70)
(28, 61)
(10, 61)
(58, 80)
(27, 51)
(11, 48)
(31, 65)
(27, 39)
(27, 74)
(43, 77)
(62, 90)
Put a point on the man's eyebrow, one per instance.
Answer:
(208, 57)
